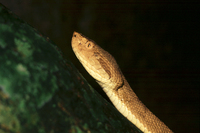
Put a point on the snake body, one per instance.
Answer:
(103, 67)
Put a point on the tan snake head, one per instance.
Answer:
(102, 67)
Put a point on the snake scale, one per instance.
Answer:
(104, 69)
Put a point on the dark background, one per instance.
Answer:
(154, 42)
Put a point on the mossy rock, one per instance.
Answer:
(40, 92)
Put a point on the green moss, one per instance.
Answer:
(40, 92)
(9, 119)
(22, 70)
(23, 47)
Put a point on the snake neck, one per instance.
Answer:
(129, 105)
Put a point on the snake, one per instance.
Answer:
(104, 69)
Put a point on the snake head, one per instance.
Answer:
(98, 62)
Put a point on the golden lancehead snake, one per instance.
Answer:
(103, 67)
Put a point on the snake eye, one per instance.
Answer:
(89, 45)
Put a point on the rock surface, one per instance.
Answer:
(40, 92)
